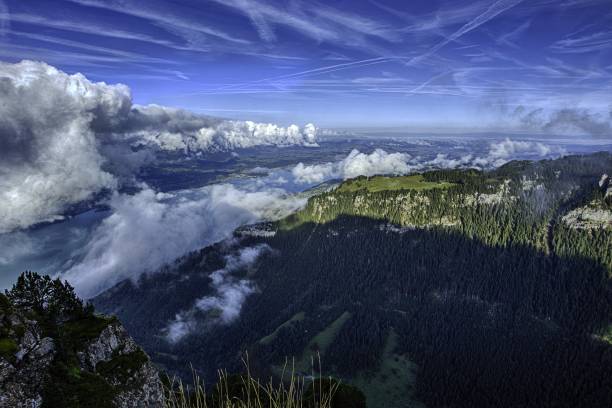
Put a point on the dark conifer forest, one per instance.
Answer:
(466, 289)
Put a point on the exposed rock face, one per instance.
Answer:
(22, 374)
(26, 358)
(595, 214)
(113, 339)
(411, 205)
(139, 382)
(589, 217)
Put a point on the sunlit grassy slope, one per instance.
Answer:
(387, 183)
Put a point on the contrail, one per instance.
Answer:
(494, 10)
(263, 28)
(430, 80)
(315, 71)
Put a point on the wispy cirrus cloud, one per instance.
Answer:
(490, 13)
(510, 38)
(318, 22)
(91, 28)
(593, 42)
(178, 32)
(263, 14)
(4, 18)
(272, 84)
(165, 17)
(122, 55)
(358, 23)
(436, 22)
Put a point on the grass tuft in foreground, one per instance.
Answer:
(246, 391)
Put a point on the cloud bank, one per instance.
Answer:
(230, 295)
(566, 121)
(355, 164)
(499, 153)
(65, 138)
(149, 229)
(175, 129)
(381, 162)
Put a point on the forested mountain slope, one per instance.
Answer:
(447, 289)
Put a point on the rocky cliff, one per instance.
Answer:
(55, 352)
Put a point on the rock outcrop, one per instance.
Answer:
(138, 380)
(596, 214)
(50, 358)
(24, 359)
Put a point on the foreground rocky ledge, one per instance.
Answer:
(64, 355)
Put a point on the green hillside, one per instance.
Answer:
(385, 183)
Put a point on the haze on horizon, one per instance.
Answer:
(531, 66)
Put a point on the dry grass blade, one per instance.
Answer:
(288, 392)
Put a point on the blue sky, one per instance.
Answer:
(415, 64)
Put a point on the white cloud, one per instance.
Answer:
(442, 161)
(230, 294)
(65, 138)
(238, 134)
(315, 173)
(377, 162)
(507, 150)
(175, 129)
(499, 153)
(353, 165)
(147, 230)
(49, 154)
(381, 162)
(170, 141)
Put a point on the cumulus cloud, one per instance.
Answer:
(175, 129)
(353, 165)
(313, 174)
(149, 229)
(49, 154)
(65, 138)
(230, 295)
